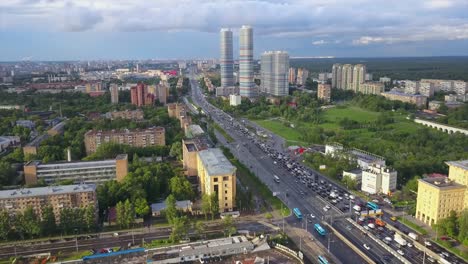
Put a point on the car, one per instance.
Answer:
(366, 246)
(427, 243)
(366, 228)
(393, 218)
(431, 260)
(328, 207)
(446, 254)
(401, 252)
(389, 239)
(325, 209)
(409, 245)
(116, 234)
(312, 216)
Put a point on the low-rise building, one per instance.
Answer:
(184, 206)
(59, 197)
(372, 88)
(235, 99)
(154, 136)
(378, 179)
(32, 147)
(194, 131)
(355, 175)
(26, 123)
(324, 92)
(437, 197)
(363, 158)
(419, 100)
(217, 176)
(127, 114)
(89, 172)
(9, 141)
(57, 129)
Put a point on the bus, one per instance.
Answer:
(297, 213)
(277, 180)
(372, 206)
(322, 260)
(320, 229)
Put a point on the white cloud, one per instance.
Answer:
(328, 21)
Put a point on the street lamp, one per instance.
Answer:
(76, 239)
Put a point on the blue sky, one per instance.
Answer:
(142, 29)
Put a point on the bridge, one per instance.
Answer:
(441, 127)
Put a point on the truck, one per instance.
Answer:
(379, 222)
(357, 208)
(413, 235)
(400, 240)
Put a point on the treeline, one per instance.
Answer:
(454, 226)
(456, 117)
(28, 224)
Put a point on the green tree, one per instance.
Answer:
(179, 229)
(5, 226)
(463, 227)
(90, 218)
(28, 223)
(181, 188)
(228, 226)
(200, 228)
(141, 207)
(48, 224)
(214, 205)
(7, 173)
(171, 209)
(206, 205)
(176, 150)
(349, 182)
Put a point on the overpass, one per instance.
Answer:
(441, 127)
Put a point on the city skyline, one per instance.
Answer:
(53, 30)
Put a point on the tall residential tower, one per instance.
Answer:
(246, 76)
(274, 73)
(226, 59)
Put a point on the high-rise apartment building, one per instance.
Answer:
(426, 89)
(94, 172)
(217, 176)
(302, 75)
(274, 73)
(411, 87)
(114, 91)
(324, 92)
(336, 75)
(59, 197)
(154, 136)
(246, 74)
(292, 75)
(460, 87)
(347, 77)
(359, 74)
(226, 60)
(140, 96)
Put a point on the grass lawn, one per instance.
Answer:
(412, 225)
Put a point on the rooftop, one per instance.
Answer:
(403, 94)
(42, 191)
(215, 162)
(124, 131)
(157, 207)
(459, 163)
(442, 183)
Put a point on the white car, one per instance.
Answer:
(427, 243)
(325, 209)
(409, 245)
(401, 252)
(389, 239)
(312, 216)
(366, 246)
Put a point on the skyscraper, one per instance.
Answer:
(226, 60)
(114, 91)
(359, 73)
(346, 76)
(274, 73)
(246, 76)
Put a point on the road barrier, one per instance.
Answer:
(290, 252)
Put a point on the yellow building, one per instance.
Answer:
(458, 172)
(437, 197)
(217, 175)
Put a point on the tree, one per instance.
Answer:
(199, 228)
(48, 224)
(176, 150)
(125, 214)
(349, 182)
(28, 223)
(206, 205)
(141, 207)
(171, 209)
(214, 205)
(179, 228)
(5, 226)
(90, 218)
(7, 173)
(463, 227)
(228, 225)
(181, 188)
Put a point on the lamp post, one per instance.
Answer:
(76, 239)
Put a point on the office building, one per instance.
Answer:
(235, 100)
(59, 197)
(246, 74)
(324, 92)
(372, 88)
(347, 77)
(89, 172)
(114, 91)
(302, 75)
(419, 100)
(190, 149)
(154, 136)
(217, 176)
(437, 197)
(336, 76)
(378, 179)
(426, 89)
(127, 114)
(226, 60)
(274, 73)
(292, 75)
(359, 77)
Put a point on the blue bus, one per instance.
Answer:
(372, 206)
(322, 260)
(297, 213)
(320, 229)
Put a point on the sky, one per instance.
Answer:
(189, 29)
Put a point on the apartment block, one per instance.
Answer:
(190, 149)
(217, 176)
(378, 179)
(127, 114)
(89, 172)
(419, 100)
(372, 88)
(324, 92)
(59, 197)
(411, 87)
(437, 197)
(154, 136)
(114, 91)
(302, 75)
(359, 76)
(426, 89)
(458, 172)
(179, 111)
(139, 95)
(347, 77)
(460, 87)
(336, 75)
(292, 75)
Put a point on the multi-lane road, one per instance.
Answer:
(251, 151)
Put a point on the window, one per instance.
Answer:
(225, 198)
(215, 179)
(225, 186)
(226, 205)
(225, 178)
(225, 191)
